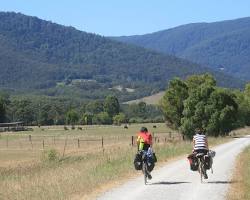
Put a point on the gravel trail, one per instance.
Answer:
(175, 181)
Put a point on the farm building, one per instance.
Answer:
(12, 126)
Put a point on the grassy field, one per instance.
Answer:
(51, 165)
(241, 178)
(83, 139)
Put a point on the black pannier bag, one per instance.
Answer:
(193, 161)
(138, 161)
(208, 161)
(151, 163)
(154, 157)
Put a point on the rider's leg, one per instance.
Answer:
(149, 176)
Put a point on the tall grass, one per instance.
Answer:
(78, 175)
(241, 178)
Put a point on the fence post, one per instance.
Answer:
(102, 142)
(78, 142)
(132, 141)
(43, 144)
(30, 141)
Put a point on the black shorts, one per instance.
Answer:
(205, 151)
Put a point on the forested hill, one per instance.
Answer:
(47, 58)
(221, 45)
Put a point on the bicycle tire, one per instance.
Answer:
(200, 170)
(144, 171)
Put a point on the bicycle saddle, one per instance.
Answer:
(199, 155)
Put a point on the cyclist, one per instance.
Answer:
(200, 145)
(144, 142)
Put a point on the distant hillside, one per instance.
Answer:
(153, 99)
(221, 45)
(42, 57)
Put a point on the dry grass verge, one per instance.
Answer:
(80, 175)
(241, 178)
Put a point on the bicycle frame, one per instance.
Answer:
(145, 167)
(201, 167)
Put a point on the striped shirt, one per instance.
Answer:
(199, 142)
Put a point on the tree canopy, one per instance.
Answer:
(198, 103)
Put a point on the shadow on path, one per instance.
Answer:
(241, 136)
(167, 183)
(221, 182)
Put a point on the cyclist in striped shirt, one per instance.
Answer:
(200, 144)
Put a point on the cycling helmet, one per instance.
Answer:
(199, 130)
(144, 129)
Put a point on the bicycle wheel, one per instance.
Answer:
(200, 170)
(144, 171)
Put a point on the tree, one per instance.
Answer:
(21, 110)
(194, 113)
(118, 119)
(87, 118)
(222, 109)
(71, 117)
(172, 102)
(102, 118)
(2, 109)
(94, 107)
(142, 110)
(196, 81)
(4, 102)
(111, 106)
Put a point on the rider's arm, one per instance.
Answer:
(138, 143)
(193, 144)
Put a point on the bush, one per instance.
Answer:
(50, 155)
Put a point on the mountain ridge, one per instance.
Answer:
(41, 56)
(196, 42)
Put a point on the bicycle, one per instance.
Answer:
(145, 166)
(201, 165)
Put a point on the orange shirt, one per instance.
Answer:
(146, 138)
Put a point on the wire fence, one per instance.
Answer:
(73, 144)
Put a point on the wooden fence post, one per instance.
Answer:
(30, 139)
(132, 141)
(102, 142)
(78, 142)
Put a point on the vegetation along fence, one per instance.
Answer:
(71, 144)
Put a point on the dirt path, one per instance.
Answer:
(176, 182)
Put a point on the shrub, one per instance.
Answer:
(50, 155)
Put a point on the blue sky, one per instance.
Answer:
(128, 17)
